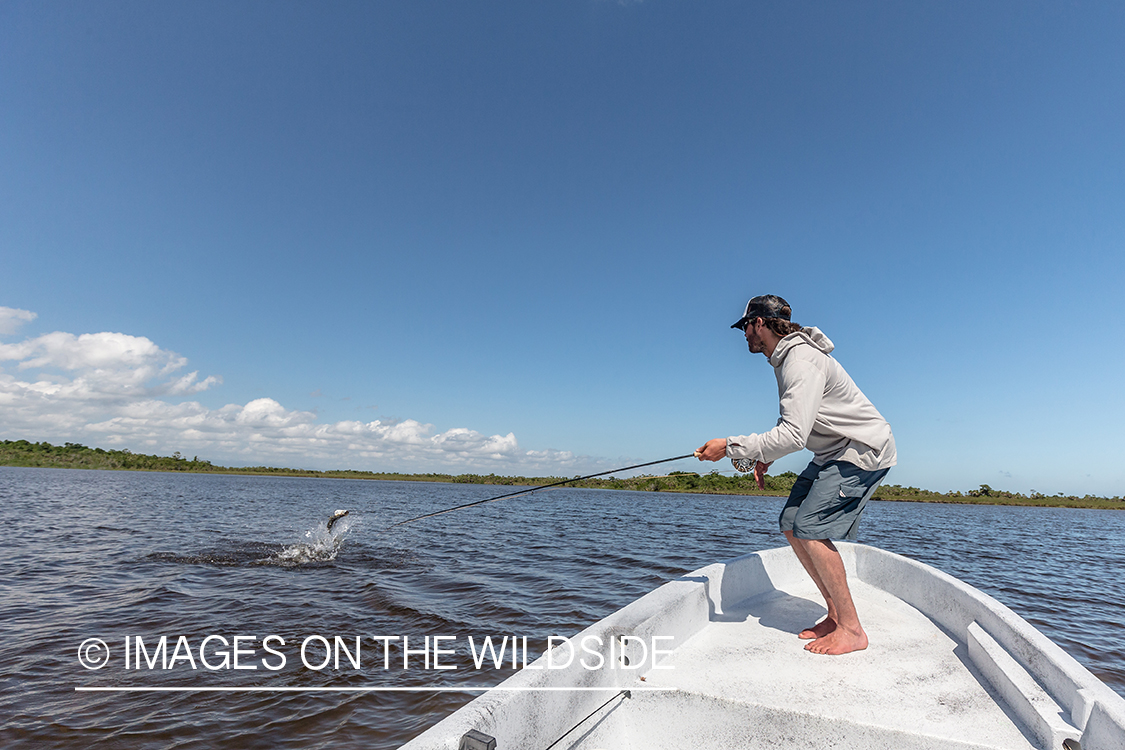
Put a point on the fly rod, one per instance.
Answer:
(541, 487)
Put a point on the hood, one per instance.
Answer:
(804, 337)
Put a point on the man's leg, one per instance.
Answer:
(829, 506)
(797, 496)
(848, 635)
(828, 624)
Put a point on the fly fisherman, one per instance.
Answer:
(853, 449)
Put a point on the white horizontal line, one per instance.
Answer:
(267, 689)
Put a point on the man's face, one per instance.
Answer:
(753, 339)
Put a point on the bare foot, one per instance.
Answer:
(821, 629)
(839, 641)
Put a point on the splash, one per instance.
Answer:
(321, 545)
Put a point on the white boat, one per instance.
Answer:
(947, 667)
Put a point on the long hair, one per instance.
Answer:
(781, 327)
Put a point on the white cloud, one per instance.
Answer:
(116, 390)
(97, 367)
(11, 319)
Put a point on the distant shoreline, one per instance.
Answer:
(21, 453)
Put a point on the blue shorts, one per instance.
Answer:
(826, 501)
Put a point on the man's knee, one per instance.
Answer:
(825, 544)
(795, 541)
(791, 537)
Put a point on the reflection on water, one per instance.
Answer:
(116, 554)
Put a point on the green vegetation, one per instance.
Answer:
(75, 456)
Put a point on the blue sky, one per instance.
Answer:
(511, 237)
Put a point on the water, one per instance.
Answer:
(116, 554)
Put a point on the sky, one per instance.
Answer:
(511, 237)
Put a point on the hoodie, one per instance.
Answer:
(821, 409)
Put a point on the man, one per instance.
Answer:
(853, 449)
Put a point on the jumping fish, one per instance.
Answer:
(336, 517)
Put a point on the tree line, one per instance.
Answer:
(78, 456)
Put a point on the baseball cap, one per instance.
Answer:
(765, 306)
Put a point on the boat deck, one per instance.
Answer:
(746, 681)
(947, 668)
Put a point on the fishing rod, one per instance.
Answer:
(541, 487)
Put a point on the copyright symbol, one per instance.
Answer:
(93, 653)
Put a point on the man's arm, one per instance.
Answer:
(801, 393)
(713, 450)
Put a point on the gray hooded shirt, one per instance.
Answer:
(821, 409)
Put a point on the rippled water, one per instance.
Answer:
(117, 554)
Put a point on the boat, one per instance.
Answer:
(711, 660)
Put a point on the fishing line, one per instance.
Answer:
(536, 489)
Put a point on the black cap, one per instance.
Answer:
(766, 306)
